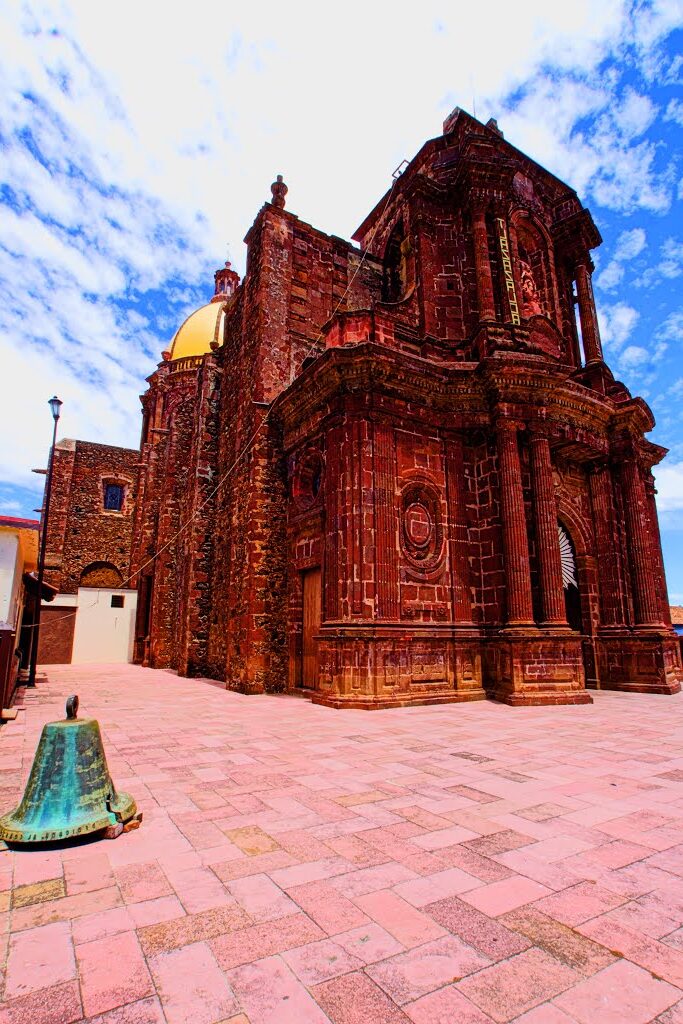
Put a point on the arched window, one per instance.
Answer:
(570, 580)
(397, 265)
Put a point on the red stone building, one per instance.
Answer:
(402, 472)
(88, 546)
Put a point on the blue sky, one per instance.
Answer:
(136, 151)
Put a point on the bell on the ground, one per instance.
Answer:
(69, 791)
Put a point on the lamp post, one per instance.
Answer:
(55, 405)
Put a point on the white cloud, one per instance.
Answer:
(635, 114)
(629, 245)
(674, 112)
(669, 480)
(618, 322)
(668, 266)
(610, 277)
(672, 328)
(632, 356)
(137, 147)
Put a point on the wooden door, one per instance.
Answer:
(312, 611)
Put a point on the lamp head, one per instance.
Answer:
(55, 405)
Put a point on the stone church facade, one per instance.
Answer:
(401, 472)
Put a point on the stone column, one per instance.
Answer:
(645, 592)
(590, 332)
(600, 485)
(482, 262)
(386, 553)
(458, 546)
(513, 518)
(545, 523)
(656, 547)
(335, 549)
(606, 542)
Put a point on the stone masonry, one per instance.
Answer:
(403, 473)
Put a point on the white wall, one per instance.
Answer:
(10, 576)
(102, 633)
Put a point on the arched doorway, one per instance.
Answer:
(570, 579)
(101, 574)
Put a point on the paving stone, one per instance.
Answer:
(409, 975)
(58, 1004)
(262, 940)
(327, 907)
(407, 924)
(319, 961)
(38, 892)
(248, 864)
(39, 958)
(252, 840)
(270, 992)
(168, 935)
(356, 999)
(191, 986)
(489, 936)
(620, 993)
(564, 943)
(512, 987)
(445, 1007)
(500, 897)
(142, 1011)
(112, 972)
(369, 943)
(66, 909)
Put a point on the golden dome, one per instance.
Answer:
(195, 336)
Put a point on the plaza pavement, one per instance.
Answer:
(458, 864)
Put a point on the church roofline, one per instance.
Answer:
(458, 118)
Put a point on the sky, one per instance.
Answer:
(139, 140)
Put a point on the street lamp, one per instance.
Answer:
(55, 405)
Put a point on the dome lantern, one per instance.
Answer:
(202, 331)
(226, 280)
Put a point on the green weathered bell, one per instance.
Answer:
(69, 791)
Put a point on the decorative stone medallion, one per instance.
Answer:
(421, 527)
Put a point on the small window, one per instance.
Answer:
(117, 600)
(113, 497)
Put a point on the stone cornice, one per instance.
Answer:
(369, 377)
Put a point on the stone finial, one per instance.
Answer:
(279, 190)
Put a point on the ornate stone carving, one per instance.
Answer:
(422, 538)
(531, 303)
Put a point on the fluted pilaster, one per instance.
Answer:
(545, 523)
(604, 525)
(487, 307)
(645, 591)
(513, 518)
(590, 332)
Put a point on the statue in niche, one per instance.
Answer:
(531, 302)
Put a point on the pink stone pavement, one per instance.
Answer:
(459, 864)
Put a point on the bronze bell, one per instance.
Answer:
(69, 791)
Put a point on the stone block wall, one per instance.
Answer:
(81, 532)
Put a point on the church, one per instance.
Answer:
(400, 472)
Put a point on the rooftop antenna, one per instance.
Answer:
(474, 95)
